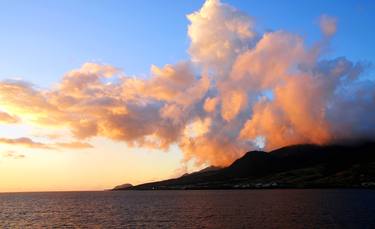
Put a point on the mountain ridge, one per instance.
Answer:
(296, 166)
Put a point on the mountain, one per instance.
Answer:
(207, 169)
(123, 186)
(297, 166)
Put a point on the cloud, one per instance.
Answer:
(240, 90)
(218, 33)
(26, 142)
(21, 99)
(13, 155)
(7, 118)
(328, 25)
(74, 145)
(29, 143)
(210, 104)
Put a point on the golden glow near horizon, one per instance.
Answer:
(101, 167)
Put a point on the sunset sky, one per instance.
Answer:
(94, 94)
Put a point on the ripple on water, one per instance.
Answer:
(191, 209)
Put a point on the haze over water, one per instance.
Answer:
(190, 209)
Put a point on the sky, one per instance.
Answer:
(100, 93)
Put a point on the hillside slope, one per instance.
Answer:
(298, 166)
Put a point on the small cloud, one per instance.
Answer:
(328, 25)
(74, 145)
(27, 142)
(6, 118)
(47, 134)
(13, 155)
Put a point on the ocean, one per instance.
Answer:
(348, 208)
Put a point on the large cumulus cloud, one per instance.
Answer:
(240, 90)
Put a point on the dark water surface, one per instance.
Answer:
(190, 209)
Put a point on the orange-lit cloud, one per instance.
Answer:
(27, 142)
(238, 87)
(74, 145)
(7, 118)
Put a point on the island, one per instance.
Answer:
(344, 165)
